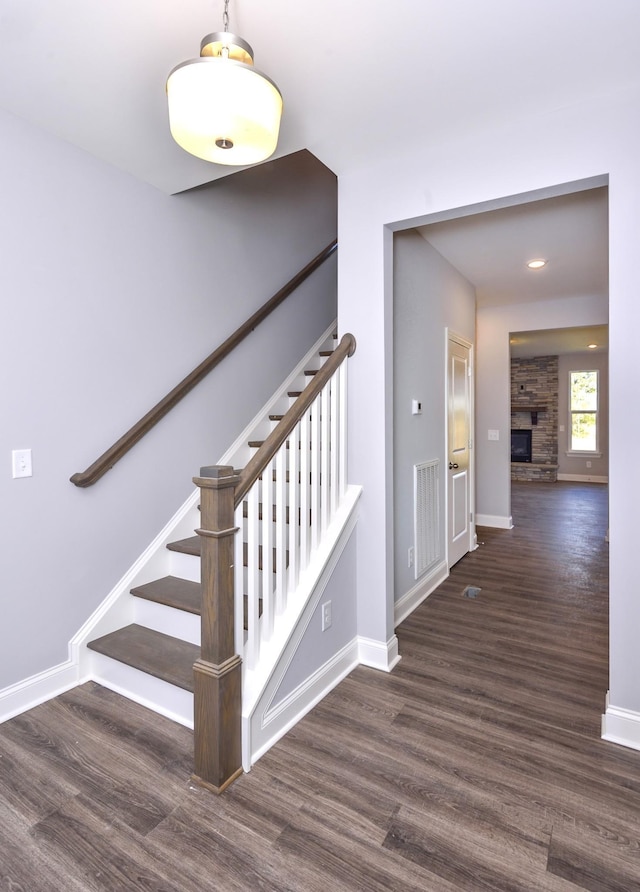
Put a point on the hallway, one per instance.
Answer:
(476, 765)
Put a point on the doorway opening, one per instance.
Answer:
(486, 247)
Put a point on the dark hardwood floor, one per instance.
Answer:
(476, 765)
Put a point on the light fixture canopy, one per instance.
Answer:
(221, 108)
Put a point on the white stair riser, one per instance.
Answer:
(185, 566)
(166, 699)
(168, 620)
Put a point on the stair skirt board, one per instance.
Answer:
(276, 721)
(160, 696)
(266, 728)
(261, 687)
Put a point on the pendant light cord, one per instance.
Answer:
(225, 15)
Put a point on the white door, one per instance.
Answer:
(459, 442)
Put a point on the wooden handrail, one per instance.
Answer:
(120, 448)
(277, 437)
(218, 671)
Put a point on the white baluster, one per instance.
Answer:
(325, 457)
(305, 471)
(315, 473)
(335, 451)
(294, 505)
(266, 526)
(238, 561)
(342, 373)
(253, 577)
(281, 529)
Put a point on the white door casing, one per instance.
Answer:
(459, 469)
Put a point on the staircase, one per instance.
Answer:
(143, 642)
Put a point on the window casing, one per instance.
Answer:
(584, 425)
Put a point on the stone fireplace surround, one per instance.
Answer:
(534, 398)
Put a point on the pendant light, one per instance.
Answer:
(221, 108)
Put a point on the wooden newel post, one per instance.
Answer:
(218, 672)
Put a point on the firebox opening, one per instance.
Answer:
(521, 445)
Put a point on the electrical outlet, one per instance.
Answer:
(410, 557)
(21, 463)
(326, 616)
(588, 464)
(493, 435)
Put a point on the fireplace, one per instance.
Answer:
(520, 445)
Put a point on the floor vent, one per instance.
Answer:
(471, 591)
(426, 500)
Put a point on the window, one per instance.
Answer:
(583, 411)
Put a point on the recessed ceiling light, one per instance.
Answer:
(592, 346)
(536, 264)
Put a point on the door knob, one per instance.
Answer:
(452, 466)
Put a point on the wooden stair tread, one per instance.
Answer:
(162, 656)
(186, 546)
(294, 393)
(245, 512)
(194, 545)
(172, 592)
(245, 554)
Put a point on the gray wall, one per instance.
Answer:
(112, 292)
(317, 647)
(429, 295)
(577, 465)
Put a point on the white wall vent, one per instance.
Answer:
(426, 501)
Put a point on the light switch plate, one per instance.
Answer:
(21, 463)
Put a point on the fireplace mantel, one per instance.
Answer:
(533, 410)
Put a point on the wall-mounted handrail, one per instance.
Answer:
(280, 434)
(120, 448)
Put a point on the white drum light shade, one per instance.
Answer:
(221, 108)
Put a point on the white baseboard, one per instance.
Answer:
(378, 654)
(33, 691)
(494, 520)
(279, 719)
(583, 478)
(621, 726)
(405, 605)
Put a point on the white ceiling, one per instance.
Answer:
(556, 341)
(491, 250)
(359, 80)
